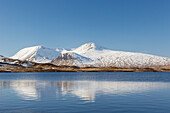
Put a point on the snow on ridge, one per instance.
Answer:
(106, 58)
(129, 60)
(87, 47)
(39, 54)
(26, 53)
(91, 54)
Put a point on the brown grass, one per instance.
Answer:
(47, 67)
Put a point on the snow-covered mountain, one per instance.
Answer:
(88, 47)
(103, 57)
(37, 54)
(91, 54)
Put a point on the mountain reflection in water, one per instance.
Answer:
(84, 90)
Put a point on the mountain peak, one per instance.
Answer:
(88, 47)
(94, 46)
(36, 53)
(89, 44)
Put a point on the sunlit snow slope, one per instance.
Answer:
(91, 54)
(104, 57)
(38, 54)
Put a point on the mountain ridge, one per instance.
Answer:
(92, 55)
(37, 54)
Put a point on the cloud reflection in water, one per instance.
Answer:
(84, 90)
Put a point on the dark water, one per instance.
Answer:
(104, 92)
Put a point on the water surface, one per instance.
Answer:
(96, 92)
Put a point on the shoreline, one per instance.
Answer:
(48, 67)
(71, 69)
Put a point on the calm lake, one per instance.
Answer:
(85, 92)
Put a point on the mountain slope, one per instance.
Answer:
(105, 58)
(88, 47)
(71, 59)
(92, 55)
(37, 54)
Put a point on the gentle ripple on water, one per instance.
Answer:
(85, 92)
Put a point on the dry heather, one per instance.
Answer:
(54, 68)
(163, 68)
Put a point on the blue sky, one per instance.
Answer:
(126, 25)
